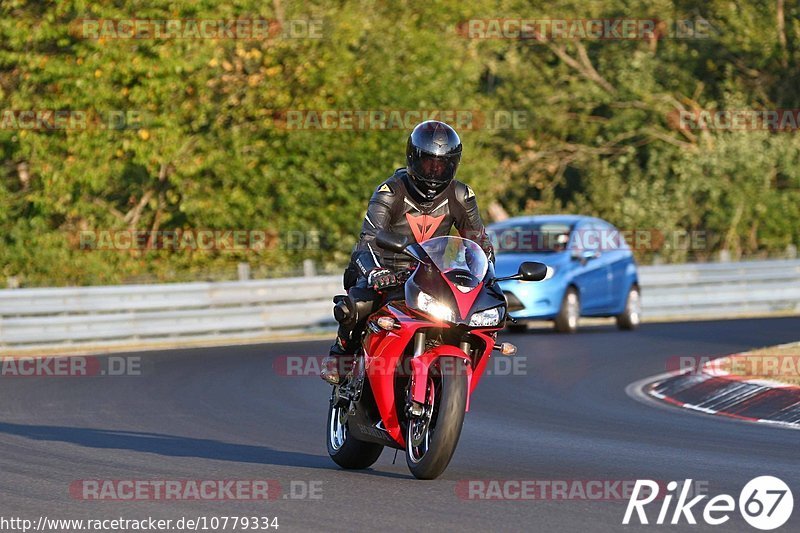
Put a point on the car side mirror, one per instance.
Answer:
(392, 242)
(585, 255)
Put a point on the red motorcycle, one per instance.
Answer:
(421, 357)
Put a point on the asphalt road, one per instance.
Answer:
(231, 413)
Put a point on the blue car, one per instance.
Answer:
(595, 273)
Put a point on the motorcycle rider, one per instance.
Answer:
(421, 201)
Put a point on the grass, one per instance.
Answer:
(774, 363)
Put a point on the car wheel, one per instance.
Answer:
(631, 317)
(566, 320)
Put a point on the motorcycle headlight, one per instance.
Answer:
(432, 306)
(489, 317)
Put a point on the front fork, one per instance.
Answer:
(418, 401)
(420, 339)
(415, 408)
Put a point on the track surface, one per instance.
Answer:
(225, 413)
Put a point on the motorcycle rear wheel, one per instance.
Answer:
(345, 450)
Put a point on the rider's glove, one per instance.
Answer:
(381, 278)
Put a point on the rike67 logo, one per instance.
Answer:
(765, 503)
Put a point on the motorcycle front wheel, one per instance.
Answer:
(431, 439)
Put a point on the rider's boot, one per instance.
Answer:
(338, 363)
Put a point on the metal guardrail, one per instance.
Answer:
(138, 314)
(241, 310)
(720, 289)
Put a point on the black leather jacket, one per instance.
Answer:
(395, 208)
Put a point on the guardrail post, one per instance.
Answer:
(309, 270)
(244, 271)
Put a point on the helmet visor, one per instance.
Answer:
(436, 170)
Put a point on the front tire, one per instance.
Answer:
(566, 320)
(345, 450)
(631, 317)
(432, 438)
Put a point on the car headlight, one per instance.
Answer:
(432, 306)
(489, 317)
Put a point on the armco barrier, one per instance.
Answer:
(139, 314)
(720, 289)
(241, 310)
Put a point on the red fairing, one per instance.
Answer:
(383, 351)
(487, 336)
(421, 365)
(465, 300)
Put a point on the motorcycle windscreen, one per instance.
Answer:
(461, 261)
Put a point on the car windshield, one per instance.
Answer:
(530, 238)
(454, 255)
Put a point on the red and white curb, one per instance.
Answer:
(713, 393)
(706, 410)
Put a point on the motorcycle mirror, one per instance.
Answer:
(392, 242)
(529, 271)
(532, 271)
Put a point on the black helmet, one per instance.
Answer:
(432, 156)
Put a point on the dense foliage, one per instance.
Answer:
(204, 141)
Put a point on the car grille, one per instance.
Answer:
(513, 302)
